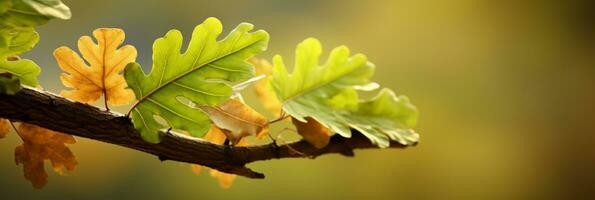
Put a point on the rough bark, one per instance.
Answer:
(56, 113)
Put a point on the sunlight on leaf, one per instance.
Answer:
(328, 94)
(386, 116)
(50, 8)
(203, 74)
(29, 13)
(237, 120)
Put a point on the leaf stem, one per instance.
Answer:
(105, 101)
(103, 73)
(15, 129)
(132, 108)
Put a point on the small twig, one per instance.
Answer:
(296, 151)
(280, 137)
(281, 118)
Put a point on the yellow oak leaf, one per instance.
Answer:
(103, 74)
(237, 120)
(313, 132)
(4, 127)
(263, 88)
(42, 144)
(217, 136)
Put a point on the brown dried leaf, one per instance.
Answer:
(217, 136)
(263, 88)
(237, 120)
(313, 132)
(103, 77)
(41, 144)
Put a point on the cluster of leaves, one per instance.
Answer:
(319, 98)
(197, 90)
(18, 18)
(17, 35)
(327, 96)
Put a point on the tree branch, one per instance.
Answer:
(59, 114)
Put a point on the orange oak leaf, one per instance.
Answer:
(313, 132)
(263, 88)
(4, 127)
(217, 136)
(103, 74)
(237, 120)
(42, 144)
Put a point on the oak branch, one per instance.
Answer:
(59, 114)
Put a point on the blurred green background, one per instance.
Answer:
(505, 89)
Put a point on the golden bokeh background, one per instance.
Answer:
(505, 89)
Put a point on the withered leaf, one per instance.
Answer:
(103, 76)
(42, 144)
(237, 120)
(313, 132)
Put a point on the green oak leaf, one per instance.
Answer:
(203, 74)
(313, 86)
(329, 94)
(14, 42)
(384, 117)
(29, 13)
